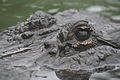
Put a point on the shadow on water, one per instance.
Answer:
(14, 11)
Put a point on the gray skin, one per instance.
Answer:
(49, 40)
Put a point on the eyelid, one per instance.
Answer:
(69, 35)
(83, 27)
(86, 28)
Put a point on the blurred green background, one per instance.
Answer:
(14, 11)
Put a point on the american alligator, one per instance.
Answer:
(72, 42)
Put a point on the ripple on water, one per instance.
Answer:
(52, 11)
(115, 18)
(96, 8)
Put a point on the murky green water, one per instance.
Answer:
(14, 11)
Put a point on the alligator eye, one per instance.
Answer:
(82, 34)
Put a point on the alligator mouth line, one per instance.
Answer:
(85, 43)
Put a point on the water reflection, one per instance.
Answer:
(53, 11)
(4, 1)
(96, 8)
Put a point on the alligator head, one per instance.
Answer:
(77, 37)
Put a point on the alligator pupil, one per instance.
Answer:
(82, 35)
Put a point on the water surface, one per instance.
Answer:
(14, 11)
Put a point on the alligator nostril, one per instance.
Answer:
(53, 52)
(47, 45)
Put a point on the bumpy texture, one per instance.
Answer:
(71, 45)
